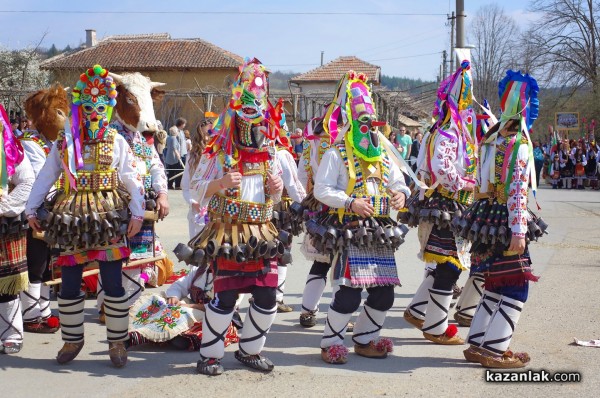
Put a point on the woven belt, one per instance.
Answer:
(463, 197)
(380, 203)
(495, 191)
(239, 210)
(96, 180)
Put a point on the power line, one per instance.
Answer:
(368, 60)
(407, 56)
(96, 12)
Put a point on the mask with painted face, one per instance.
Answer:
(352, 114)
(95, 93)
(363, 134)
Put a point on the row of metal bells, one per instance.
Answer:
(83, 231)
(328, 235)
(13, 225)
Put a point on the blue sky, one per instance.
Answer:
(397, 43)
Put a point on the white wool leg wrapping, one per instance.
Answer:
(436, 318)
(470, 296)
(335, 328)
(117, 318)
(368, 325)
(486, 307)
(313, 290)
(99, 293)
(418, 305)
(11, 322)
(133, 284)
(257, 323)
(71, 319)
(30, 302)
(216, 322)
(281, 274)
(502, 325)
(45, 301)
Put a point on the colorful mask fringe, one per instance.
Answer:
(284, 137)
(352, 100)
(94, 96)
(12, 154)
(250, 86)
(518, 101)
(453, 110)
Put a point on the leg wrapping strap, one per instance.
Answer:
(502, 325)
(313, 290)
(255, 332)
(71, 319)
(436, 318)
(11, 322)
(214, 328)
(418, 305)
(117, 318)
(481, 319)
(30, 302)
(335, 328)
(368, 325)
(470, 296)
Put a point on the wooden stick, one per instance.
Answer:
(96, 271)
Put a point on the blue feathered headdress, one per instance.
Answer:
(518, 98)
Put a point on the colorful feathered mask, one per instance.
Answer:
(352, 114)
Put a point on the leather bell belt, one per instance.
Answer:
(230, 209)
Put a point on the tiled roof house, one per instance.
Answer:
(185, 65)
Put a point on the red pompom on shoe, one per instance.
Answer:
(451, 331)
(336, 352)
(384, 345)
(53, 322)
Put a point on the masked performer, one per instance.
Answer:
(354, 180)
(293, 191)
(239, 180)
(505, 225)
(133, 114)
(317, 141)
(88, 219)
(48, 110)
(16, 180)
(447, 162)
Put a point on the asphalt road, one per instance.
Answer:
(562, 305)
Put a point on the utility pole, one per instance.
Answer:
(445, 63)
(322, 53)
(452, 19)
(460, 26)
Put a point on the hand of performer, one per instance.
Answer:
(162, 205)
(517, 244)
(196, 208)
(470, 187)
(398, 200)
(363, 207)
(172, 301)
(134, 227)
(275, 183)
(34, 224)
(231, 180)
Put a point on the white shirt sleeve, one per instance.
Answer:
(157, 171)
(44, 181)
(124, 162)
(36, 155)
(12, 204)
(289, 174)
(331, 180)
